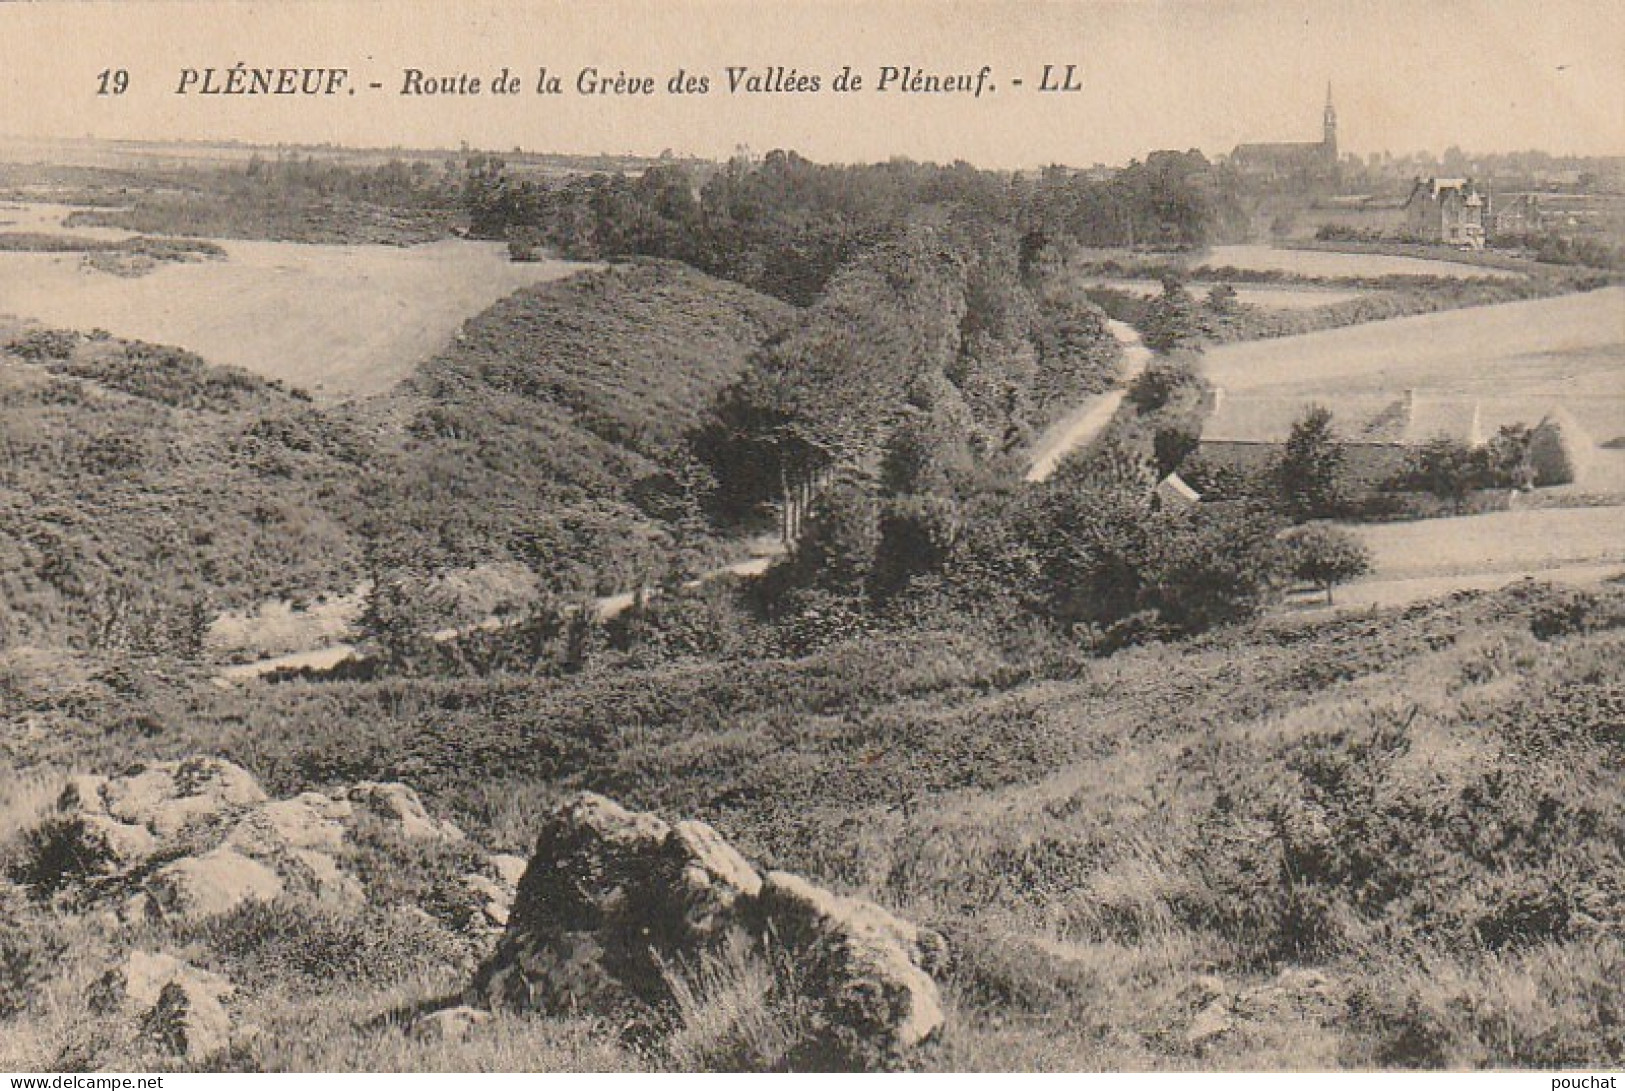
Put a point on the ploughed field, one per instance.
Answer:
(1567, 349)
(337, 321)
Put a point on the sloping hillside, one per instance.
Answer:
(141, 490)
(630, 356)
(548, 432)
(144, 490)
(1384, 841)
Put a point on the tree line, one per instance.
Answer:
(785, 225)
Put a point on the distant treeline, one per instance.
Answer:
(784, 225)
(291, 199)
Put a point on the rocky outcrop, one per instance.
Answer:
(865, 968)
(660, 928)
(168, 1006)
(1218, 1014)
(611, 897)
(177, 860)
(613, 902)
(167, 797)
(448, 1024)
(193, 839)
(195, 887)
(398, 804)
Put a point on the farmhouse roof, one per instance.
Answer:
(1406, 419)
(1247, 419)
(1442, 418)
(1433, 188)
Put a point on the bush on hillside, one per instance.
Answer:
(1325, 556)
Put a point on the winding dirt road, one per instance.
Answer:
(1083, 424)
(1075, 430)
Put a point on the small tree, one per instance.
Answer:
(1326, 556)
(1174, 320)
(1171, 446)
(1222, 299)
(1551, 458)
(1309, 477)
(1507, 457)
(1447, 468)
(835, 554)
(1161, 382)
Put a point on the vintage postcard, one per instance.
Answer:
(904, 536)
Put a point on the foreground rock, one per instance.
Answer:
(615, 904)
(189, 840)
(610, 898)
(168, 1006)
(178, 860)
(865, 967)
(1295, 1005)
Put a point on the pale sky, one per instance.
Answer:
(1408, 75)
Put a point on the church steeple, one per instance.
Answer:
(1328, 130)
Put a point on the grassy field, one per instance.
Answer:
(1476, 349)
(1567, 349)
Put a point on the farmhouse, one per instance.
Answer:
(1379, 432)
(1446, 210)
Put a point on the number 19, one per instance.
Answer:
(112, 81)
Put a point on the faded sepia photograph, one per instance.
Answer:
(907, 536)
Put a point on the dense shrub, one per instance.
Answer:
(44, 345)
(306, 948)
(1162, 381)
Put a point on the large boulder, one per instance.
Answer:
(609, 899)
(169, 796)
(863, 967)
(195, 887)
(448, 1024)
(614, 902)
(310, 821)
(400, 806)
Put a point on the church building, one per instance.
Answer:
(1298, 164)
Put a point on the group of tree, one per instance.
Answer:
(1172, 199)
(785, 225)
(926, 363)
